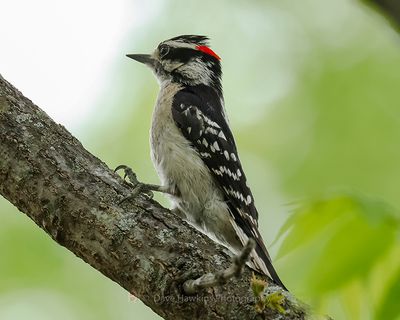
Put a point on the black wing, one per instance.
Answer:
(198, 112)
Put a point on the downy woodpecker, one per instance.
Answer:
(193, 149)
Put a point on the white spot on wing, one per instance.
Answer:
(211, 130)
(217, 172)
(248, 199)
(226, 154)
(211, 123)
(253, 221)
(198, 115)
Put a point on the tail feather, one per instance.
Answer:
(259, 258)
(262, 262)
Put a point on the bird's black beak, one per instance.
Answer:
(143, 58)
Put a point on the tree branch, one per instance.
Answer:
(75, 198)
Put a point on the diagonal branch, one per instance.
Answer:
(75, 198)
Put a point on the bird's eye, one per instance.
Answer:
(163, 51)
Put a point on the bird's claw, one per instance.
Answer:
(145, 190)
(138, 187)
(128, 173)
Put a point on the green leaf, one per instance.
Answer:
(390, 307)
(345, 237)
(312, 220)
(351, 252)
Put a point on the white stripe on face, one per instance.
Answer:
(179, 44)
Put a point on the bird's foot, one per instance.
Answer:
(137, 186)
(192, 286)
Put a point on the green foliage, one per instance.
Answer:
(349, 236)
(275, 301)
(390, 307)
(265, 299)
(257, 287)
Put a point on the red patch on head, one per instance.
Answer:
(208, 51)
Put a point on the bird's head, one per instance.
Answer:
(184, 59)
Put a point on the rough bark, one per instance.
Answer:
(74, 197)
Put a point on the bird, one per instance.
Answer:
(194, 151)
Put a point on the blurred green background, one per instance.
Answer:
(312, 92)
